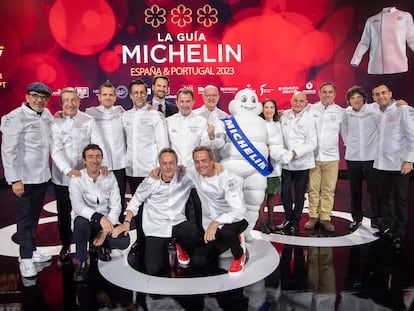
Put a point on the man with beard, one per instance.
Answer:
(161, 87)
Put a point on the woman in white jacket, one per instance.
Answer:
(274, 183)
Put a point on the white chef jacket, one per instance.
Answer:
(109, 122)
(328, 124)
(221, 197)
(387, 35)
(360, 132)
(88, 197)
(186, 133)
(396, 137)
(69, 137)
(25, 145)
(299, 134)
(164, 204)
(212, 117)
(146, 135)
(275, 135)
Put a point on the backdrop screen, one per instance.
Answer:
(276, 47)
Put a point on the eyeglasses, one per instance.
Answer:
(41, 97)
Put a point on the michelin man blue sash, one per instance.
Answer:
(245, 147)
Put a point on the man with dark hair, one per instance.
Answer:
(160, 88)
(96, 205)
(187, 131)
(146, 135)
(163, 215)
(323, 177)
(108, 119)
(223, 210)
(360, 135)
(394, 162)
(25, 152)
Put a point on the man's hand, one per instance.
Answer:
(75, 173)
(406, 168)
(58, 115)
(401, 102)
(104, 170)
(121, 228)
(210, 131)
(210, 233)
(18, 188)
(218, 168)
(99, 239)
(155, 173)
(106, 225)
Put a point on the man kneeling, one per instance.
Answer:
(163, 215)
(223, 210)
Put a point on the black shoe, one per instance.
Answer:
(354, 225)
(385, 234)
(284, 225)
(398, 243)
(64, 254)
(81, 273)
(294, 227)
(104, 253)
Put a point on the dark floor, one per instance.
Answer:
(372, 276)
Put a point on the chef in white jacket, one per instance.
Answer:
(70, 134)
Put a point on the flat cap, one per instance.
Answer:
(39, 87)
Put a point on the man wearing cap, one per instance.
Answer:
(25, 151)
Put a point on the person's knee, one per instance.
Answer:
(198, 261)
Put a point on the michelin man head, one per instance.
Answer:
(245, 101)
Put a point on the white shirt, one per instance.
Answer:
(213, 117)
(25, 145)
(109, 122)
(146, 135)
(88, 197)
(360, 133)
(221, 197)
(387, 35)
(275, 133)
(164, 204)
(299, 134)
(328, 124)
(186, 133)
(69, 137)
(396, 137)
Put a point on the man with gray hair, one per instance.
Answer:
(70, 134)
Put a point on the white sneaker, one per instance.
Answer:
(27, 268)
(38, 256)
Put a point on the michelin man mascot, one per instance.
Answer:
(245, 153)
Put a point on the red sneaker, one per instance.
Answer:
(182, 256)
(237, 265)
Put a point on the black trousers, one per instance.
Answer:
(64, 209)
(357, 170)
(85, 231)
(134, 182)
(393, 196)
(226, 237)
(29, 207)
(156, 249)
(121, 179)
(297, 180)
